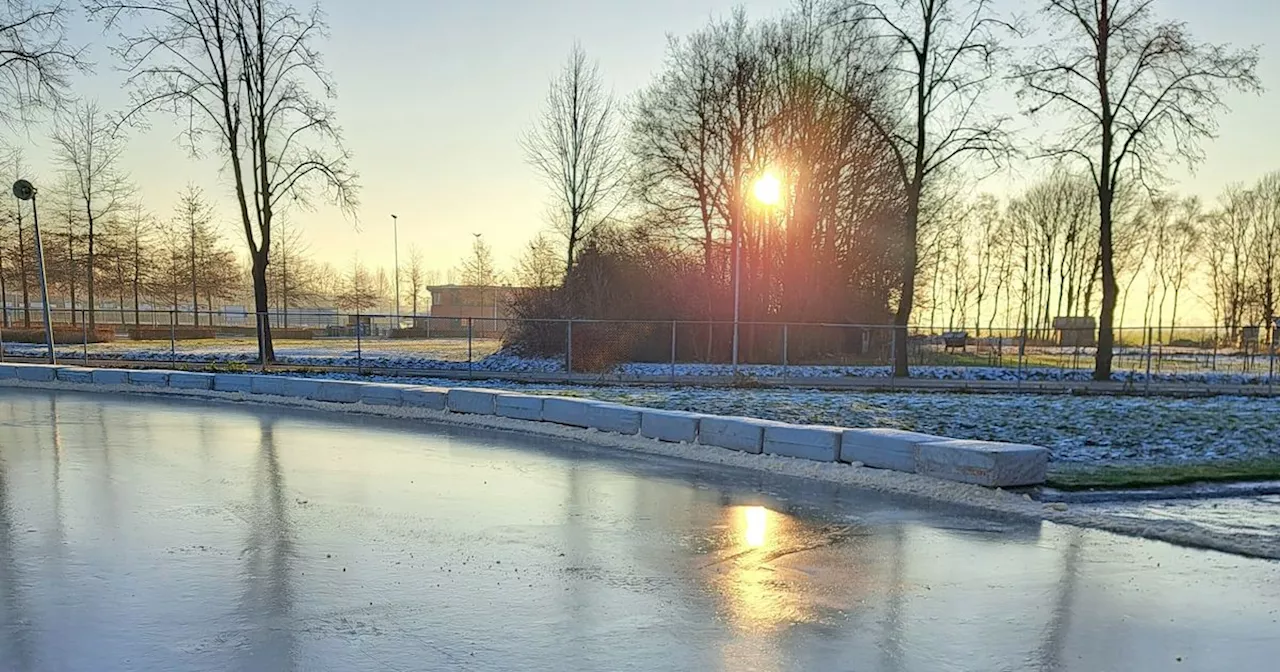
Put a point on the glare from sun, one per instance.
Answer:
(768, 189)
(757, 526)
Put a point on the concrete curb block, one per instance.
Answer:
(744, 434)
(566, 411)
(988, 463)
(35, 373)
(884, 448)
(434, 398)
(614, 418)
(110, 377)
(183, 380)
(818, 443)
(232, 382)
(519, 406)
(984, 463)
(382, 394)
(149, 378)
(475, 402)
(72, 374)
(670, 426)
(338, 392)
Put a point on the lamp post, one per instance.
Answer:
(395, 238)
(25, 191)
(767, 191)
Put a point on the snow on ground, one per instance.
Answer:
(1084, 430)
(451, 355)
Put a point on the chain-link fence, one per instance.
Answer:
(1145, 358)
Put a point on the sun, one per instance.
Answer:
(767, 189)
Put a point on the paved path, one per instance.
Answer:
(144, 534)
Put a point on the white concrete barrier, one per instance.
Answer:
(808, 442)
(75, 374)
(110, 377)
(338, 391)
(149, 378)
(382, 394)
(983, 462)
(232, 382)
(745, 434)
(35, 373)
(671, 426)
(615, 418)
(567, 411)
(474, 402)
(190, 380)
(884, 448)
(434, 398)
(281, 386)
(519, 406)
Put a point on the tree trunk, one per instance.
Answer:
(195, 292)
(266, 353)
(89, 268)
(22, 274)
(71, 272)
(1110, 289)
(1106, 182)
(906, 302)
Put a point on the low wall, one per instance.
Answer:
(986, 463)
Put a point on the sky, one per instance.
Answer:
(433, 96)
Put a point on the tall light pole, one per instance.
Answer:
(767, 191)
(24, 191)
(395, 238)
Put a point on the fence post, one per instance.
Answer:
(6, 308)
(173, 340)
(359, 343)
(568, 350)
(470, 345)
(1150, 333)
(673, 351)
(1271, 372)
(84, 325)
(785, 346)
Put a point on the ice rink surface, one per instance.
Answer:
(159, 535)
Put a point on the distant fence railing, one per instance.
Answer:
(644, 349)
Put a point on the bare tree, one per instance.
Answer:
(36, 58)
(478, 268)
(243, 75)
(88, 145)
(292, 275)
(360, 289)
(1265, 247)
(203, 256)
(419, 278)
(538, 266)
(575, 148)
(941, 64)
(1137, 93)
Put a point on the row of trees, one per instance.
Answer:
(182, 262)
(1022, 263)
(875, 116)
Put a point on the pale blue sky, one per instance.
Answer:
(433, 96)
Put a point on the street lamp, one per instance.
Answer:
(25, 191)
(395, 237)
(767, 192)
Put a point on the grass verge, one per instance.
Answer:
(1146, 476)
